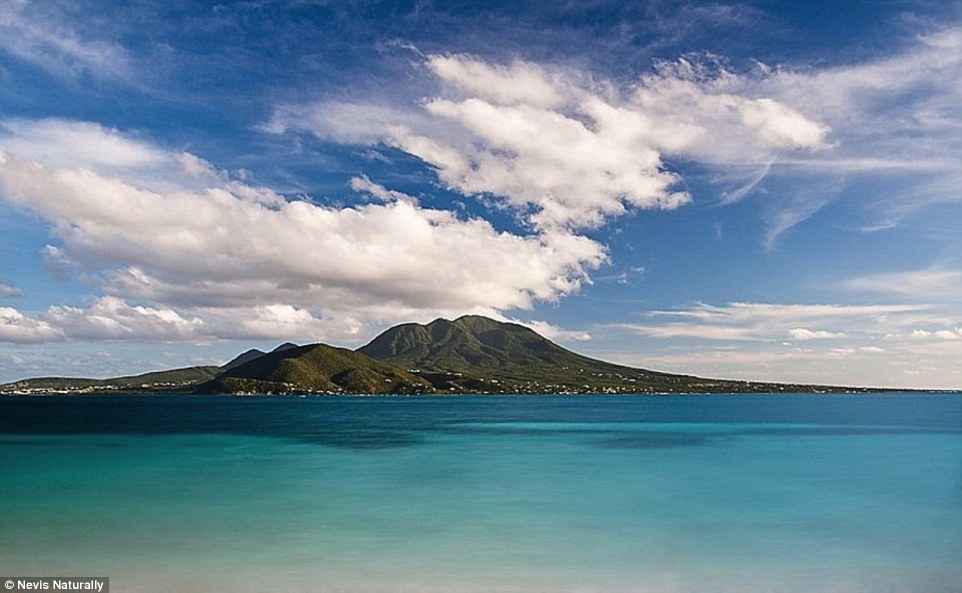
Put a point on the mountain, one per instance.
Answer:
(476, 353)
(315, 368)
(254, 353)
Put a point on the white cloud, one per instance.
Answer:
(285, 322)
(62, 143)
(561, 150)
(721, 118)
(21, 329)
(90, 148)
(364, 185)
(520, 83)
(802, 334)
(354, 123)
(195, 239)
(929, 283)
(553, 332)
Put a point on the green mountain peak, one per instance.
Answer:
(471, 344)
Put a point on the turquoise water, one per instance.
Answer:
(477, 494)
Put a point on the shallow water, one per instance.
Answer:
(750, 493)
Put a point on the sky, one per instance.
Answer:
(765, 190)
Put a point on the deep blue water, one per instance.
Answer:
(787, 493)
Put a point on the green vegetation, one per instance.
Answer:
(471, 354)
(315, 369)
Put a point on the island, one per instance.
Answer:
(469, 355)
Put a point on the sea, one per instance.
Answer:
(474, 494)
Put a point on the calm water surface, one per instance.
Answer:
(848, 493)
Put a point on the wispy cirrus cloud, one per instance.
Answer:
(925, 284)
(32, 32)
(896, 118)
(771, 322)
(876, 107)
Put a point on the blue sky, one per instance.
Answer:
(757, 190)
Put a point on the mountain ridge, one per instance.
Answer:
(314, 368)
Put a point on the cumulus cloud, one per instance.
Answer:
(268, 321)
(562, 150)
(722, 116)
(110, 318)
(230, 245)
(19, 328)
(191, 239)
